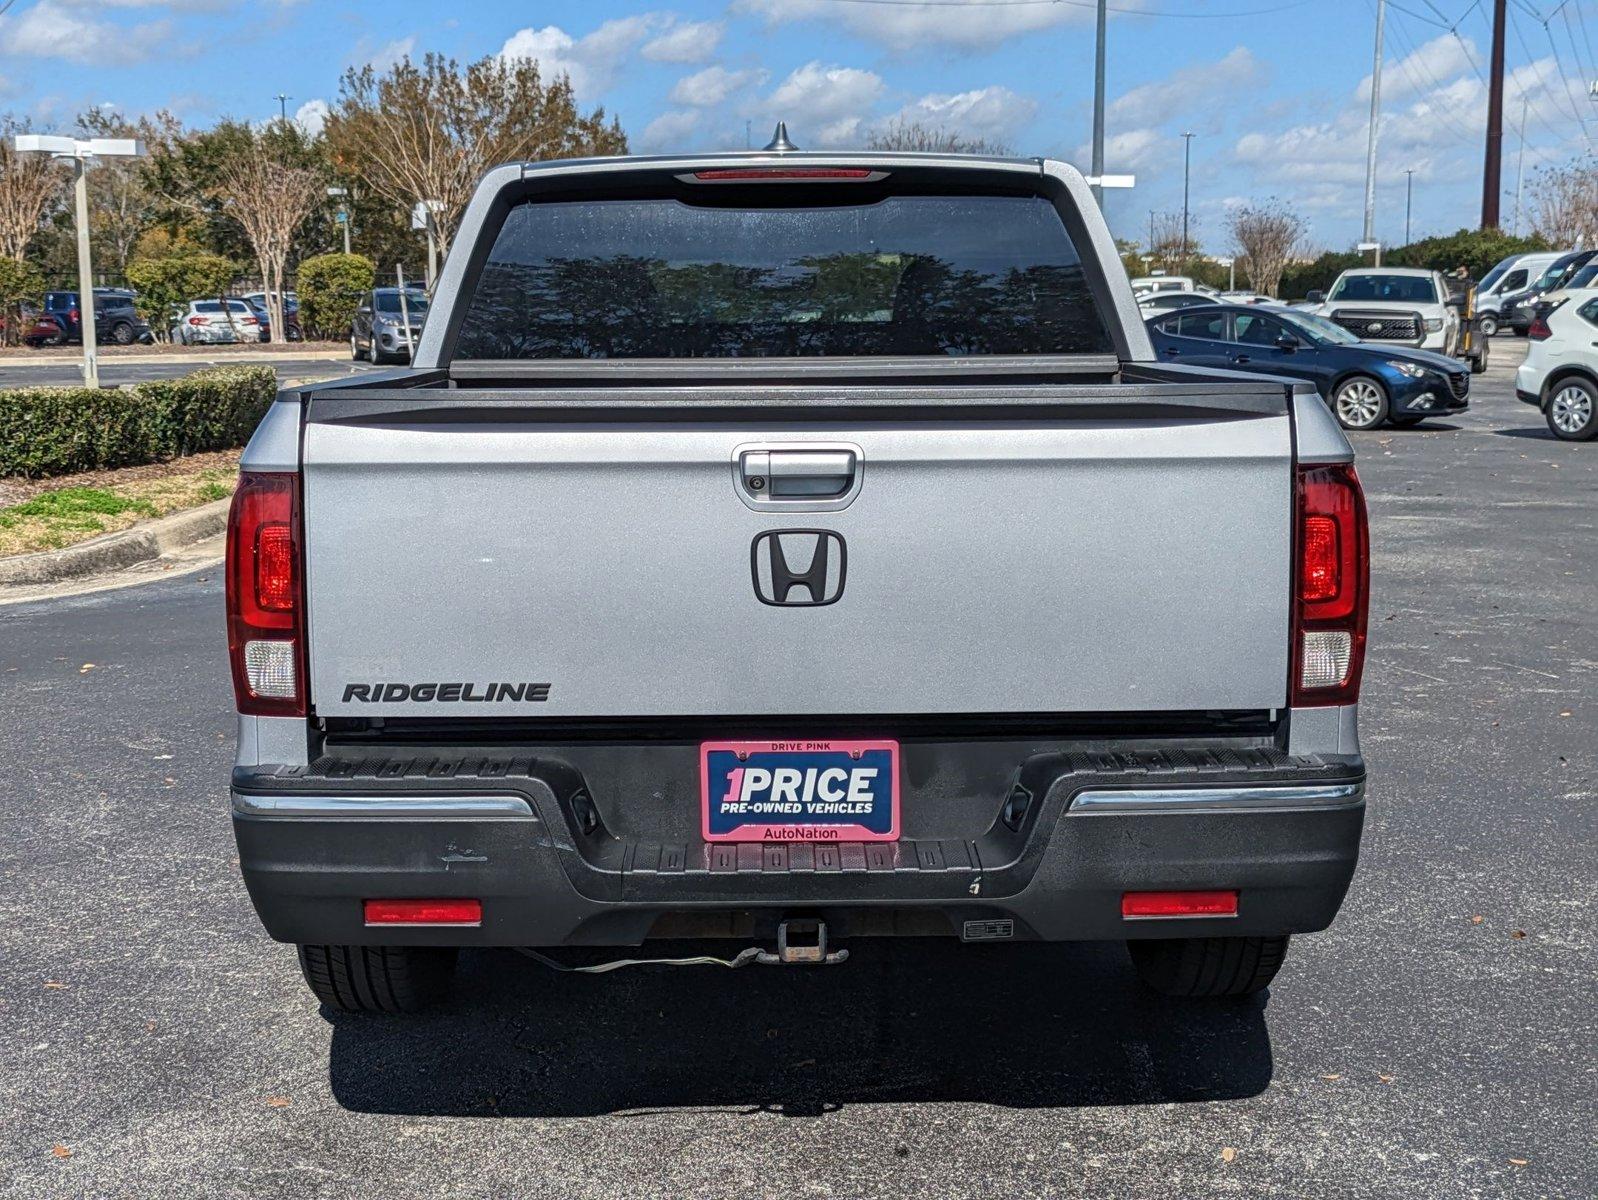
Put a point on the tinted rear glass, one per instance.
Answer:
(658, 278)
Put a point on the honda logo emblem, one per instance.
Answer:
(799, 568)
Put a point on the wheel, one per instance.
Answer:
(355, 351)
(122, 334)
(1573, 411)
(373, 355)
(1478, 361)
(386, 979)
(1487, 324)
(1216, 966)
(1360, 403)
(1405, 422)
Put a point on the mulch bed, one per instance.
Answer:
(14, 490)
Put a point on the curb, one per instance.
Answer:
(242, 358)
(141, 543)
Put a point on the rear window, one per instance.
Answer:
(660, 278)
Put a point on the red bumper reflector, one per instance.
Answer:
(1179, 904)
(424, 912)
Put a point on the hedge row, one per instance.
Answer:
(55, 431)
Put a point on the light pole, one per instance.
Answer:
(1409, 199)
(80, 153)
(339, 193)
(282, 99)
(422, 218)
(1187, 171)
(1375, 130)
(1098, 104)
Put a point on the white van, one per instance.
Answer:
(1515, 274)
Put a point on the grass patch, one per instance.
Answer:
(67, 515)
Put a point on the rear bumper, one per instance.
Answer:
(1064, 844)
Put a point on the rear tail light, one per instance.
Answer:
(1137, 906)
(423, 912)
(72, 314)
(1331, 589)
(197, 321)
(1538, 330)
(266, 595)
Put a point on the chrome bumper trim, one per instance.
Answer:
(1220, 800)
(426, 808)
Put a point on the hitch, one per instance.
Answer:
(801, 942)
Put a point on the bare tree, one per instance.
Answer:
(1267, 236)
(1166, 251)
(429, 131)
(904, 134)
(270, 198)
(28, 183)
(1566, 203)
(122, 205)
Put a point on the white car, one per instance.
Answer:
(1560, 374)
(206, 323)
(1159, 302)
(1405, 305)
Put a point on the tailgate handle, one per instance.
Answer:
(775, 476)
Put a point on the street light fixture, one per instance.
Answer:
(422, 217)
(81, 152)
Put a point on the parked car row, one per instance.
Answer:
(116, 320)
(60, 321)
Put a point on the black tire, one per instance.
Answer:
(373, 354)
(1572, 410)
(1216, 966)
(380, 979)
(1360, 402)
(1487, 324)
(355, 350)
(122, 334)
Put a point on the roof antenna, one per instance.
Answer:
(779, 142)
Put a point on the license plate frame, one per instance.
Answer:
(813, 757)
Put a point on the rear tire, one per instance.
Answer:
(1487, 325)
(122, 334)
(378, 979)
(355, 349)
(1572, 411)
(1215, 966)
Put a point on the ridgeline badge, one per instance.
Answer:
(445, 693)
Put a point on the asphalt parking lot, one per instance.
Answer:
(1438, 1041)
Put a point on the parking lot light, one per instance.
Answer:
(81, 152)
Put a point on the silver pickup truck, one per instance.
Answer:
(792, 548)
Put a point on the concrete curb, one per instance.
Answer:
(241, 358)
(145, 542)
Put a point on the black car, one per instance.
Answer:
(115, 318)
(1364, 383)
(1520, 309)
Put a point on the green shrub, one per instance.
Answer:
(54, 431)
(330, 287)
(20, 283)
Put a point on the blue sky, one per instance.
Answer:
(1277, 91)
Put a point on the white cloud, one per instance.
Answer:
(712, 86)
(591, 61)
(388, 56)
(905, 26)
(815, 95)
(1188, 90)
(311, 116)
(995, 113)
(685, 42)
(669, 131)
(46, 31)
(1437, 60)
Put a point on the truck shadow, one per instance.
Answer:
(1027, 1026)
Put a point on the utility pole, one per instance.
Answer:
(1370, 143)
(1098, 107)
(1409, 199)
(282, 99)
(1520, 166)
(1187, 171)
(1495, 123)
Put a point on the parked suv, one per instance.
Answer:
(1403, 305)
(380, 333)
(115, 318)
(1560, 373)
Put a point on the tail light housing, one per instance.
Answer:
(266, 595)
(1331, 586)
(1538, 330)
(197, 321)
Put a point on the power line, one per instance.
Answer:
(1092, 4)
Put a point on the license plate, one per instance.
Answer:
(800, 791)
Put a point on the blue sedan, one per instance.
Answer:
(1365, 383)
